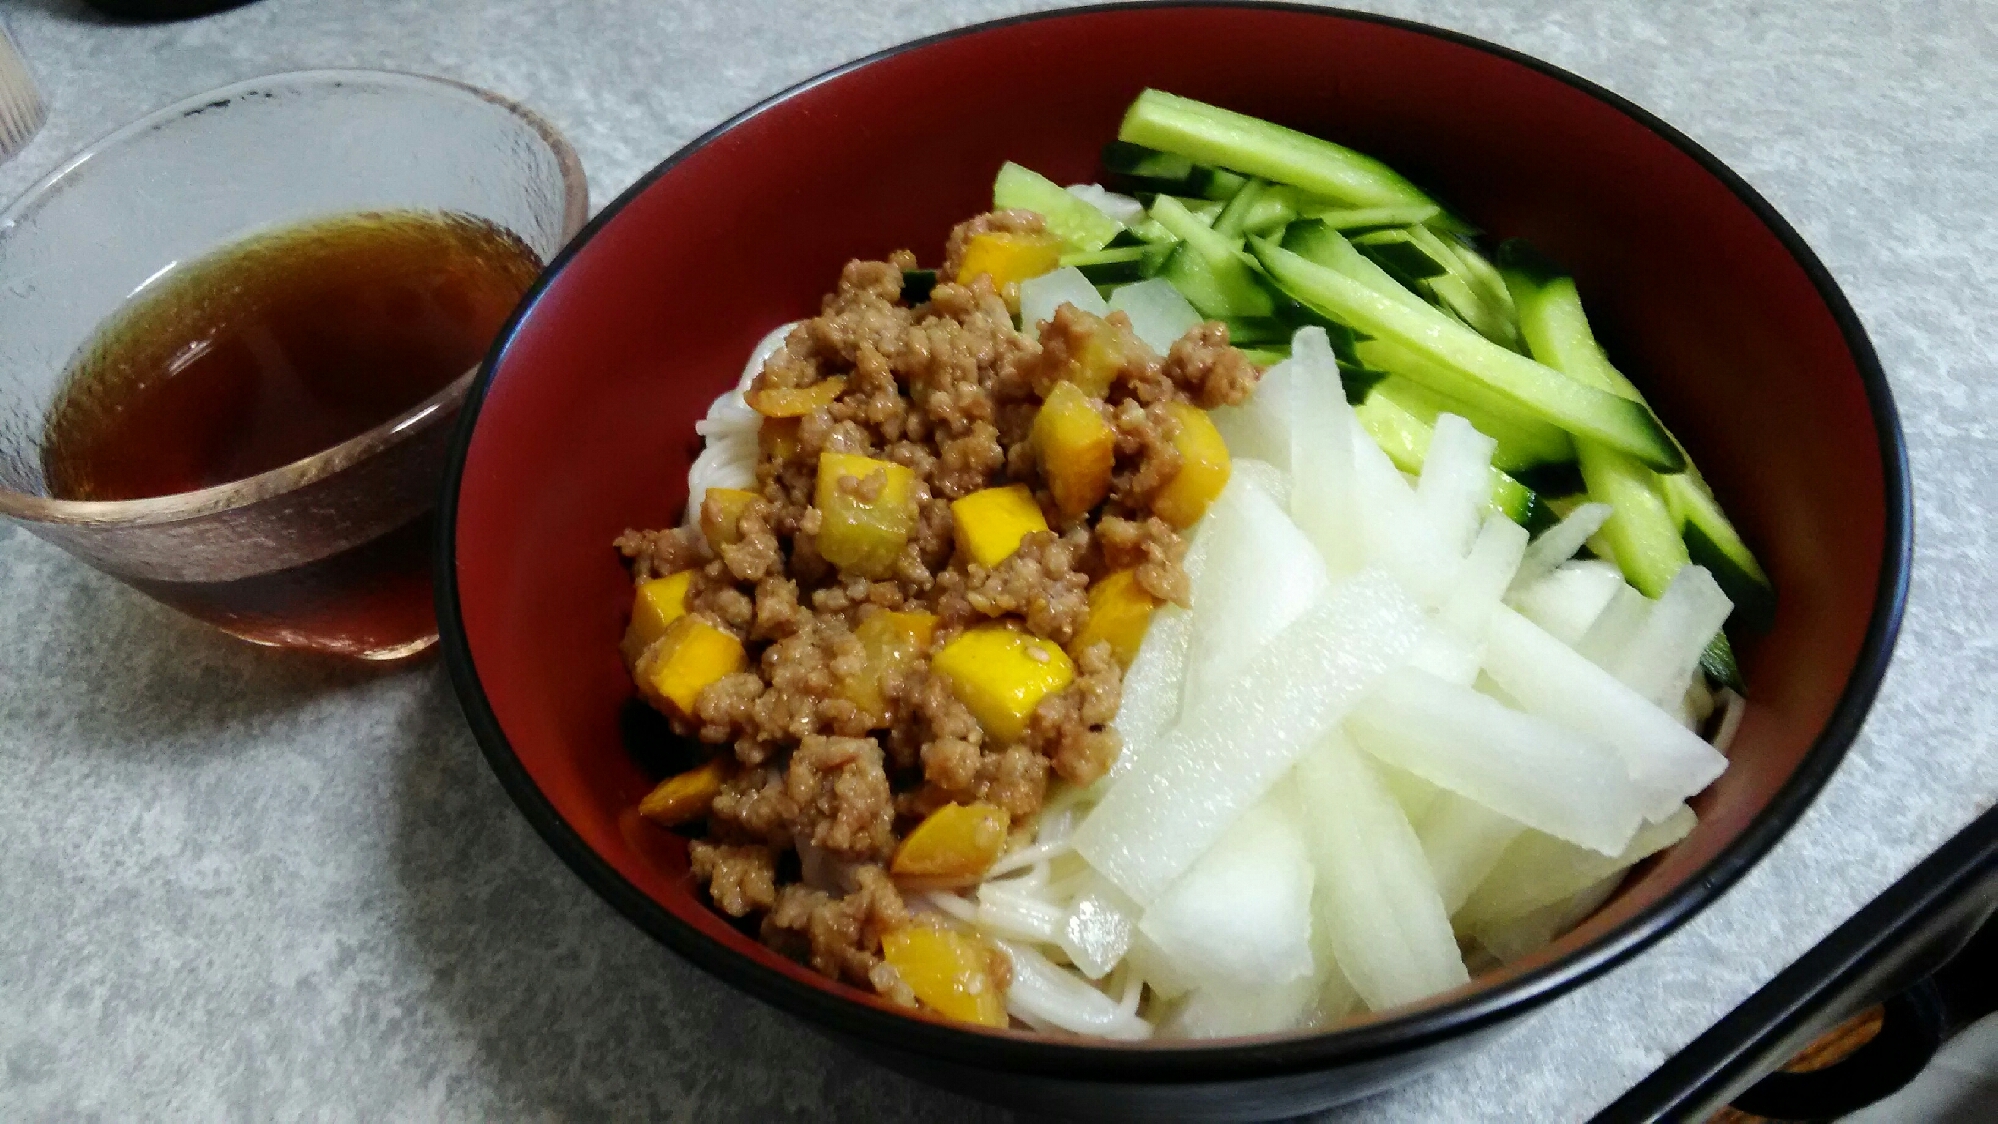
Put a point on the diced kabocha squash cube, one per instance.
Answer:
(1119, 612)
(1092, 349)
(721, 512)
(891, 642)
(1009, 258)
(953, 846)
(1001, 674)
(657, 604)
(1203, 468)
(950, 972)
(991, 522)
(777, 438)
(691, 655)
(794, 401)
(1076, 447)
(684, 798)
(867, 509)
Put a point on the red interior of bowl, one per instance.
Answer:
(588, 424)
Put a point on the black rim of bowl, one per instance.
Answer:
(1245, 1058)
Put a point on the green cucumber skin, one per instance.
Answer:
(1231, 287)
(1720, 665)
(1404, 436)
(1075, 221)
(916, 285)
(1473, 359)
(1641, 532)
(1556, 328)
(1713, 542)
(1208, 134)
(1522, 445)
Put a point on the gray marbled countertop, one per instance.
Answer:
(249, 886)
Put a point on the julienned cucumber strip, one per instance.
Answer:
(1235, 216)
(1231, 288)
(1713, 542)
(1074, 221)
(1557, 330)
(1719, 664)
(1466, 358)
(1521, 445)
(1209, 134)
(1404, 436)
(1318, 243)
(1641, 533)
(1351, 218)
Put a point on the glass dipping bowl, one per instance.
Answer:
(330, 552)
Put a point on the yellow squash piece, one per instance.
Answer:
(721, 511)
(657, 604)
(1203, 468)
(777, 438)
(1076, 447)
(794, 401)
(691, 655)
(954, 845)
(858, 534)
(950, 972)
(1119, 612)
(684, 798)
(892, 642)
(1001, 674)
(991, 522)
(1009, 258)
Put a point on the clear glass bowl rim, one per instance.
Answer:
(326, 462)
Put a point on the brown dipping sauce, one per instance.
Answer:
(271, 350)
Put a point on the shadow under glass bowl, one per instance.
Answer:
(582, 425)
(207, 172)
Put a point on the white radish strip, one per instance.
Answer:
(1261, 574)
(1224, 755)
(1005, 912)
(1447, 657)
(1322, 432)
(1559, 543)
(1734, 707)
(1662, 658)
(1456, 483)
(1567, 601)
(1151, 965)
(1376, 898)
(1153, 686)
(1415, 795)
(1159, 315)
(1265, 477)
(1463, 840)
(1539, 869)
(1098, 929)
(1523, 936)
(1486, 575)
(1228, 1011)
(1123, 208)
(1040, 296)
(1668, 761)
(1261, 427)
(1042, 991)
(1525, 768)
(1611, 634)
(1395, 533)
(1241, 916)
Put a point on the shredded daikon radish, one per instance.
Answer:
(1224, 756)
(1559, 543)
(1040, 296)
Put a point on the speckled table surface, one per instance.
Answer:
(238, 885)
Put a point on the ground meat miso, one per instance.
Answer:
(903, 505)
